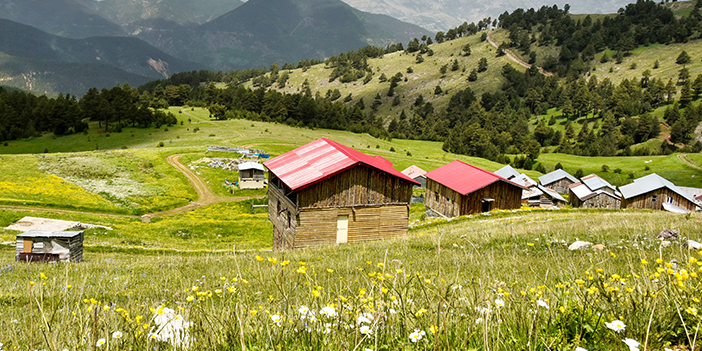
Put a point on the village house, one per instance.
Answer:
(251, 175)
(558, 180)
(594, 192)
(328, 193)
(533, 194)
(417, 174)
(658, 193)
(49, 246)
(458, 189)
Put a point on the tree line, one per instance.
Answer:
(24, 115)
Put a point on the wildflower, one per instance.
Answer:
(32, 283)
(366, 330)
(330, 270)
(580, 349)
(277, 319)
(100, 342)
(542, 303)
(633, 344)
(433, 329)
(272, 260)
(692, 311)
(479, 320)
(190, 298)
(303, 310)
(416, 335)
(499, 303)
(364, 318)
(644, 262)
(328, 311)
(530, 244)
(616, 325)
(259, 258)
(42, 276)
(117, 335)
(170, 327)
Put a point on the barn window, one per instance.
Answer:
(670, 200)
(289, 219)
(654, 198)
(277, 208)
(436, 197)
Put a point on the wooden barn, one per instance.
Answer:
(533, 194)
(327, 193)
(251, 175)
(458, 189)
(417, 174)
(48, 246)
(657, 193)
(558, 180)
(594, 192)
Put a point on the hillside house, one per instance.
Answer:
(657, 193)
(417, 174)
(328, 193)
(458, 189)
(251, 175)
(49, 246)
(594, 192)
(558, 180)
(533, 194)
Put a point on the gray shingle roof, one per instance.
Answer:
(555, 176)
(650, 183)
(507, 172)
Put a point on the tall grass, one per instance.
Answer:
(504, 281)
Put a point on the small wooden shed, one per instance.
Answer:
(657, 193)
(458, 189)
(251, 176)
(594, 192)
(558, 180)
(417, 174)
(49, 246)
(328, 193)
(533, 194)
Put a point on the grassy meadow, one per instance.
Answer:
(498, 281)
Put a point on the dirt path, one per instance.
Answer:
(683, 157)
(516, 58)
(205, 197)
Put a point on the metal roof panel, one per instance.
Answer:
(464, 178)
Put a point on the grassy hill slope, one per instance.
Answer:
(422, 81)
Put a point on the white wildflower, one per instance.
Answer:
(328, 311)
(170, 327)
(101, 342)
(117, 335)
(499, 303)
(633, 344)
(616, 325)
(366, 330)
(542, 303)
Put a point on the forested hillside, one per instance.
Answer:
(456, 88)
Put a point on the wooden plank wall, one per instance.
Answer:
(560, 186)
(646, 200)
(602, 201)
(442, 199)
(506, 195)
(318, 226)
(573, 199)
(283, 234)
(359, 185)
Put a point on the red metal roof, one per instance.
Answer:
(465, 178)
(322, 159)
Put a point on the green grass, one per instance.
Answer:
(669, 167)
(437, 280)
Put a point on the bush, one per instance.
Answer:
(160, 144)
(605, 168)
(392, 149)
(618, 170)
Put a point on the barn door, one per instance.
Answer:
(342, 229)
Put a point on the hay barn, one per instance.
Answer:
(558, 180)
(328, 193)
(534, 195)
(49, 246)
(458, 189)
(657, 193)
(251, 175)
(594, 192)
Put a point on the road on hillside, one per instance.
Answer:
(683, 157)
(514, 57)
(205, 197)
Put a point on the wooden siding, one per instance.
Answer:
(74, 245)
(598, 201)
(377, 205)
(357, 186)
(451, 204)
(283, 214)
(318, 226)
(646, 200)
(442, 199)
(560, 186)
